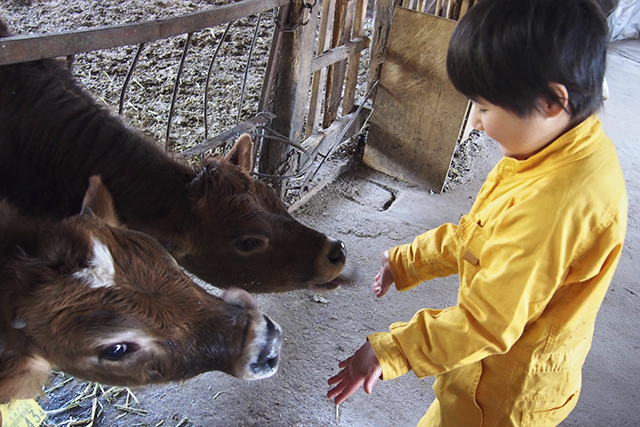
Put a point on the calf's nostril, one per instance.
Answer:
(269, 357)
(338, 253)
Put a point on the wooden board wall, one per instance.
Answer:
(418, 114)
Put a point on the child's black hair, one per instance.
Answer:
(508, 51)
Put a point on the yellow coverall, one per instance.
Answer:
(535, 256)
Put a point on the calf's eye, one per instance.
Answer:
(114, 352)
(250, 244)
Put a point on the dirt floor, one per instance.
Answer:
(372, 212)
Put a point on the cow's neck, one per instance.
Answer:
(74, 138)
(150, 194)
(19, 238)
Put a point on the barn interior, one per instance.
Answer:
(348, 160)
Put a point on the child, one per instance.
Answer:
(538, 249)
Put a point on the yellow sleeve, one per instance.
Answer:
(432, 254)
(521, 269)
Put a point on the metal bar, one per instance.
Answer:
(246, 69)
(428, 8)
(270, 74)
(301, 150)
(33, 47)
(175, 89)
(262, 119)
(206, 87)
(126, 81)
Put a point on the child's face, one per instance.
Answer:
(518, 137)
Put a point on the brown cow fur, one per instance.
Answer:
(75, 292)
(214, 218)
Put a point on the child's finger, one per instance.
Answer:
(347, 392)
(345, 362)
(337, 389)
(337, 378)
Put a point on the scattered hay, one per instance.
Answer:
(70, 402)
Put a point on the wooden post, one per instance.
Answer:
(287, 80)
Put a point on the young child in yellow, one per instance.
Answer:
(539, 247)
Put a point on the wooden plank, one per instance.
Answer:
(345, 10)
(33, 47)
(319, 77)
(354, 61)
(339, 53)
(464, 8)
(332, 76)
(417, 113)
(438, 11)
(382, 17)
(320, 143)
(449, 11)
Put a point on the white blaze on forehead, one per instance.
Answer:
(100, 272)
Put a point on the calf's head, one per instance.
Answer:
(241, 233)
(111, 305)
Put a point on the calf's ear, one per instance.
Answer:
(98, 201)
(22, 376)
(241, 154)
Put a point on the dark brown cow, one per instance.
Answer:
(111, 305)
(217, 222)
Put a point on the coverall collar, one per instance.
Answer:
(571, 146)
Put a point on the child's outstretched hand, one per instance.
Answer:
(361, 367)
(384, 278)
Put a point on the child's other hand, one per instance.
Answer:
(384, 278)
(362, 367)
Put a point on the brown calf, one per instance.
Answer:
(215, 219)
(111, 305)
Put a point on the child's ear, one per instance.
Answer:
(551, 106)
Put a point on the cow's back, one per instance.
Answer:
(54, 135)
